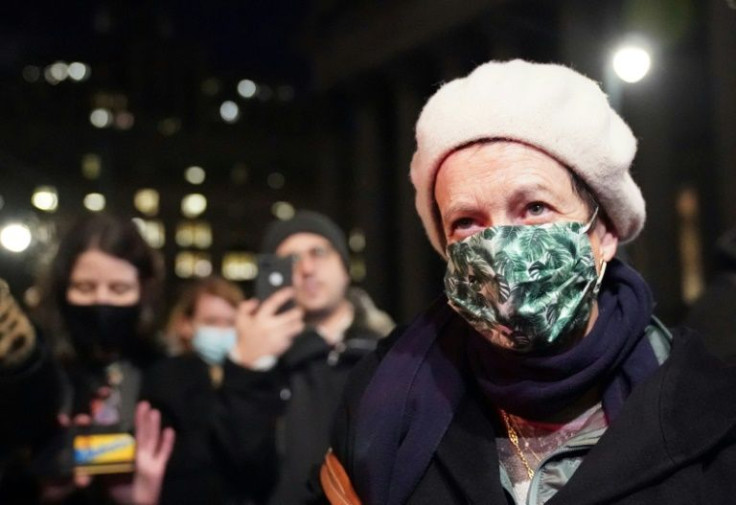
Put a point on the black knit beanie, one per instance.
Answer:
(306, 221)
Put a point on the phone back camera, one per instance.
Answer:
(276, 279)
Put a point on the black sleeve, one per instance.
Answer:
(225, 435)
(342, 438)
(248, 407)
(30, 400)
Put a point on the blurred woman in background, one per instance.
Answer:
(225, 448)
(97, 314)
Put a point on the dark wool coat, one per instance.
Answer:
(224, 451)
(674, 443)
(313, 376)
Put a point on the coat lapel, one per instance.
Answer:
(468, 453)
(685, 409)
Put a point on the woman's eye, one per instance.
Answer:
(462, 223)
(120, 288)
(536, 208)
(82, 287)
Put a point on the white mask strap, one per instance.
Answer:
(589, 224)
(599, 281)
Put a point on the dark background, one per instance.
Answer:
(340, 86)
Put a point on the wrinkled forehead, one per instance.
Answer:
(476, 162)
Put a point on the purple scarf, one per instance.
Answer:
(416, 389)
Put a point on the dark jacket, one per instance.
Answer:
(30, 400)
(224, 451)
(313, 375)
(673, 443)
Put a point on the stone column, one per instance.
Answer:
(370, 197)
(420, 267)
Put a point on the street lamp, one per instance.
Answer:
(631, 63)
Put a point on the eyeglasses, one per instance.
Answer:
(316, 254)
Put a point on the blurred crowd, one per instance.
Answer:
(109, 394)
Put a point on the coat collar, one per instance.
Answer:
(668, 421)
(468, 453)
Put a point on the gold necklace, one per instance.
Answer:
(514, 438)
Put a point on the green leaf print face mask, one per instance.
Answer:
(526, 288)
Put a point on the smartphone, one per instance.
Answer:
(104, 453)
(274, 273)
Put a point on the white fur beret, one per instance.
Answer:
(551, 107)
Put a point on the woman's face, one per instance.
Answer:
(98, 278)
(508, 183)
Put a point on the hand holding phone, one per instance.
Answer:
(274, 273)
(267, 324)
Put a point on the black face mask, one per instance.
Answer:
(102, 332)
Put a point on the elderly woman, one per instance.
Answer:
(542, 376)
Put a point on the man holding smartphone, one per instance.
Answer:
(309, 348)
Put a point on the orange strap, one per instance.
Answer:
(336, 483)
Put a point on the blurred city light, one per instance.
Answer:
(15, 237)
(631, 63)
(31, 73)
(146, 201)
(202, 267)
(229, 111)
(100, 118)
(358, 270)
(192, 264)
(94, 202)
(195, 175)
(45, 198)
(275, 180)
(152, 230)
(239, 173)
(211, 86)
(184, 234)
(283, 210)
(124, 120)
(49, 76)
(202, 235)
(264, 93)
(247, 88)
(91, 166)
(193, 205)
(239, 266)
(78, 71)
(194, 234)
(32, 296)
(59, 71)
(169, 126)
(356, 242)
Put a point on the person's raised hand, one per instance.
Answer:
(153, 449)
(263, 330)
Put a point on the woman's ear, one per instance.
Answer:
(607, 240)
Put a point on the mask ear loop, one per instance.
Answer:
(587, 226)
(599, 281)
